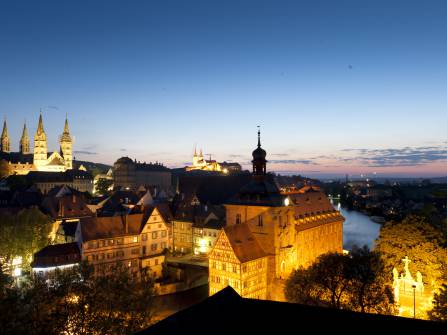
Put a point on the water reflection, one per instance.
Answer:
(358, 228)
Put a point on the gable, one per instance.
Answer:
(155, 218)
(55, 159)
(222, 248)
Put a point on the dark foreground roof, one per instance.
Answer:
(227, 313)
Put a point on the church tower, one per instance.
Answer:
(259, 162)
(24, 141)
(5, 147)
(66, 146)
(40, 145)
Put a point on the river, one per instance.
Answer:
(358, 229)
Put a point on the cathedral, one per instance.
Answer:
(40, 159)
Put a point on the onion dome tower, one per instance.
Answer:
(259, 162)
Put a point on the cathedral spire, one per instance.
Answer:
(5, 138)
(40, 129)
(66, 130)
(24, 141)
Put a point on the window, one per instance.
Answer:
(135, 251)
(164, 245)
(244, 268)
(154, 235)
(154, 247)
(234, 268)
(110, 242)
(163, 233)
(120, 253)
(224, 267)
(144, 237)
(110, 255)
(120, 241)
(260, 224)
(135, 239)
(156, 261)
(238, 218)
(144, 250)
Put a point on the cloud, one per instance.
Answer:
(84, 152)
(123, 150)
(235, 156)
(280, 155)
(397, 157)
(292, 161)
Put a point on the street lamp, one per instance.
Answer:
(414, 300)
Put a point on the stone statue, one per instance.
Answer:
(395, 274)
(408, 275)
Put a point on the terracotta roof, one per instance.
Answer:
(110, 226)
(68, 206)
(244, 243)
(311, 203)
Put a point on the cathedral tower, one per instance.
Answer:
(24, 141)
(40, 145)
(5, 147)
(66, 147)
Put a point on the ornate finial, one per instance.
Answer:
(259, 136)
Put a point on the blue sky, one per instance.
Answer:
(337, 86)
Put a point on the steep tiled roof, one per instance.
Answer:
(17, 157)
(111, 226)
(244, 243)
(68, 206)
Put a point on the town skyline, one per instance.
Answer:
(334, 92)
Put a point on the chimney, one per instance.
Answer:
(126, 224)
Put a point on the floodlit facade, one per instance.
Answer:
(137, 241)
(291, 229)
(237, 260)
(40, 159)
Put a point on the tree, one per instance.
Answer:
(80, 301)
(4, 169)
(355, 282)
(439, 310)
(420, 241)
(369, 288)
(23, 233)
(103, 185)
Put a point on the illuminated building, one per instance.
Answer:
(24, 161)
(53, 257)
(237, 260)
(200, 163)
(137, 241)
(292, 229)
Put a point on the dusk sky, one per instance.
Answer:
(336, 86)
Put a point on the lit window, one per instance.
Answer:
(135, 239)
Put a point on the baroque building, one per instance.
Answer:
(23, 161)
(292, 229)
(130, 175)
